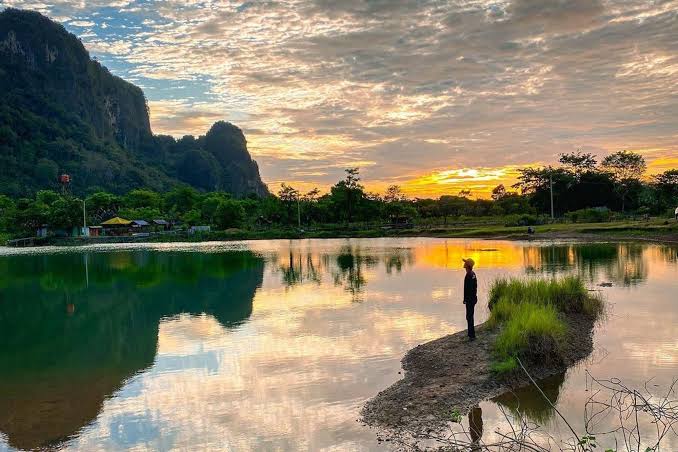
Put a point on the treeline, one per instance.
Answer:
(583, 190)
(617, 183)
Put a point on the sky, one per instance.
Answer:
(435, 96)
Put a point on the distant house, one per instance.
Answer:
(194, 229)
(95, 231)
(117, 226)
(140, 226)
(162, 225)
(45, 231)
(42, 231)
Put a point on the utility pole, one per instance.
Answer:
(551, 184)
(298, 212)
(84, 219)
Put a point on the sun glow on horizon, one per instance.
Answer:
(410, 92)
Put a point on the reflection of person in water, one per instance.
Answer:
(475, 426)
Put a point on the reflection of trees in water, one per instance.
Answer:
(621, 263)
(300, 268)
(397, 258)
(668, 253)
(350, 271)
(528, 402)
(347, 268)
(75, 329)
(353, 261)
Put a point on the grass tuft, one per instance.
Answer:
(530, 313)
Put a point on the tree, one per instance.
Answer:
(578, 162)
(394, 194)
(46, 171)
(348, 192)
(354, 190)
(229, 214)
(142, 198)
(6, 211)
(626, 169)
(47, 197)
(5, 203)
(140, 213)
(102, 206)
(65, 213)
(27, 216)
(180, 200)
(289, 196)
(666, 186)
(210, 204)
(498, 192)
(312, 196)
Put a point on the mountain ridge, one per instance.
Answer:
(64, 112)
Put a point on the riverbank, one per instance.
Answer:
(658, 230)
(451, 374)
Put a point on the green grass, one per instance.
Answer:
(531, 312)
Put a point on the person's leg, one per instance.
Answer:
(472, 322)
(469, 320)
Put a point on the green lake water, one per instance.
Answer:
(276, 345)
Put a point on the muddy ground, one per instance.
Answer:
(452, 373)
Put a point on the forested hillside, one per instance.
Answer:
(62, 112)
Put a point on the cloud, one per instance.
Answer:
(556, 15)
(81, 23)
(419, 87)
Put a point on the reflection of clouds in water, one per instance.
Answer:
(295, 373)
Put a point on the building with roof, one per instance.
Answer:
(117, 226)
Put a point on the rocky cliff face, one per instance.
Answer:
(63, 112)
(55, 65)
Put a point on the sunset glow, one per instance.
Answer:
(433, 96)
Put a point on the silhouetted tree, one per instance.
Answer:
(626, 169)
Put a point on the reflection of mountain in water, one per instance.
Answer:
(621, 263)
(527, 401)
(76, 326)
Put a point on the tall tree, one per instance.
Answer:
(498, 192)
(288, 196)
(626, 168)
(578, 162)
(666, 185)
(394, 194)
(350, 191)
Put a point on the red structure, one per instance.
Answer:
(65, 181)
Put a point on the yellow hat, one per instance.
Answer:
(470, 262)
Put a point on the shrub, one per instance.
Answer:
(594, 215)
(229, 214)
(529, 313)
(524, 220)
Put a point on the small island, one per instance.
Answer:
(538, 327)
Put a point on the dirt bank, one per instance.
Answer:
(452, 373)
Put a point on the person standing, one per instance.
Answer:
(470, 296)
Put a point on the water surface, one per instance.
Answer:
(275, 345)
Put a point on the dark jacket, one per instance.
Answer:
(470, 288)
